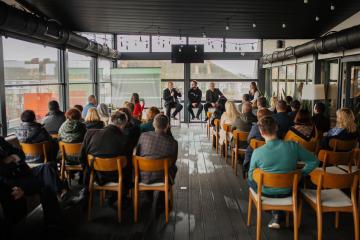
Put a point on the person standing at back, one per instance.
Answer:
(170, 96)
(138, 108)
(194, 95)
(91, 104)
(212, 96)
(254, 92)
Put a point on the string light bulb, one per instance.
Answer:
(227, 27)
(204, 35)
(195, 48)
(332, 7)
(140, 39)
(317, 18)
(306, 1)
(283, 25)
(252, 46)
(254, 25)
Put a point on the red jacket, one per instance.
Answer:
(138, 110)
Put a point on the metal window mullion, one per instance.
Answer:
(65, 56)
(2, 91)
(61, 62)
(95, 77)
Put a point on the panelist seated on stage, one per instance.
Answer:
(170, 96)
(194, 95)
(212, 96)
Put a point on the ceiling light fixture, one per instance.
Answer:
(227, 27)
(306, 1)
(332, 7)
(283, 25)
(317, 18)
(254, 25)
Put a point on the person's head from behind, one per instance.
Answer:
(246, 107)
(151, 113)
(119, 119)
(263, 112)
(170, 85)
(281, 106)
(103, 110)
(130, 106)
(194, 84)
(273, 101)
(73, 114)
(245, 97)
(295, 105)
(135, 98)
(92, 99)
(288, 100)
(319, 108)
(161, 123)
(267, 127)
(53, 106)
(127, 112)
(92, 115)
(28, 116)
(303, 117)
(261, 102)
(212, 86)
(253, 87)
(345, 119)
(79, 107)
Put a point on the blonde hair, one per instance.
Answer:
(273, 101)
(230, 110)
(92, 115)
(345, 119)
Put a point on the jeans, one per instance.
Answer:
(190, 109)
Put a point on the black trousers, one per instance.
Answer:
(178, 107)
(40, 183)
(190, 109)
(206, 107)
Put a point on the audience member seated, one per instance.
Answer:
(79, 107)
(72, 130)
(54, 118)
(212, 97)
(260, 104)
(91, 104)
(228, 117)
(18, 180)
(295, 107)
(321, 121)
(303, 126)
(246, 118)
(345, 128)
(148, 125)
(108, 142)
(273, 102)
(245, 98)
(131, 107)
(103, 113)
(156, 145)
(282, 118)
(92, 119)
(278, 156)
(219, 110)
(31, 131)
(288, 100)
(138, 108)
(254, 134)
(194, 96)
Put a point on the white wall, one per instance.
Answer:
(350, 22)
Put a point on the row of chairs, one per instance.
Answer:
(340, 170)
(140, 164)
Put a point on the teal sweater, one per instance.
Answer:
(147, 127)
(278, 156)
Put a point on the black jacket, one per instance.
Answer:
(94, 125)
(194, 95)
(32, 132)
(53, 121)
(213, 96)
(321, 122)
(283, 122)
(170, 99)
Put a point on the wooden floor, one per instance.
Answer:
(210, 203)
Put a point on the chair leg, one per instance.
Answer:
(90, 204)
(287, 219)
(249, 212)
(119, 204)
(136, 201)
(236, 164)
(356, 222)
(258, 224)
(101, 198)
(300, 212)
(226, 151)
(166, 206)
(319, 223)
(337, 216)
(296, 224)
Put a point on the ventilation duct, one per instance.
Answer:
(339, 41)
(24, 24)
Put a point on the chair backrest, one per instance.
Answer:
(217, 123)
(70, 148)
(36, 149)
(356, 156)
(276, 180)
(143, 164)
(209, 114)
(226, 127)
(342, 145)
(254, 143)
(334, 158)
(309, 145)
(107, 164)
(332, 180)
(240, 135)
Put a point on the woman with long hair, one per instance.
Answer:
(92, 119)
(228, 117)
(103, 113)
(138, 108)
(254, 92)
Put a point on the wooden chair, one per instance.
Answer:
(208, 125)
(215, 135)
(254, 143)
(329, 198)
(106, 165)
(342, 145)
(238, 137)
(69, 149)
(341, 162)
(288, 204)
(311, 145)
(225, 146)
(142, 164)
(36, 149)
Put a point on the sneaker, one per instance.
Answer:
(82, 196)
(206, 119)
(274, 222)
(173, 117)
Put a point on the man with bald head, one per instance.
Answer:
(212, 96)
(91, 104)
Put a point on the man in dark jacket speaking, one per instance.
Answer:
(170, 96)
(194, 95)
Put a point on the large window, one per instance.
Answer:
(231, 90)
(104, 79)
(81, 79)
(274, 81)
(31, 79)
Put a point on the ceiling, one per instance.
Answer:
(192, 17)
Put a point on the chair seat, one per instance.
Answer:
(240, 150)
(273, 201)
(334, 170)
(329, 197)
(152, 184)
(109, 184)
(346, 168)
(32, 165)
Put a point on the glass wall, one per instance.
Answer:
(329, 77)
(104, 79)
(31, 79)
